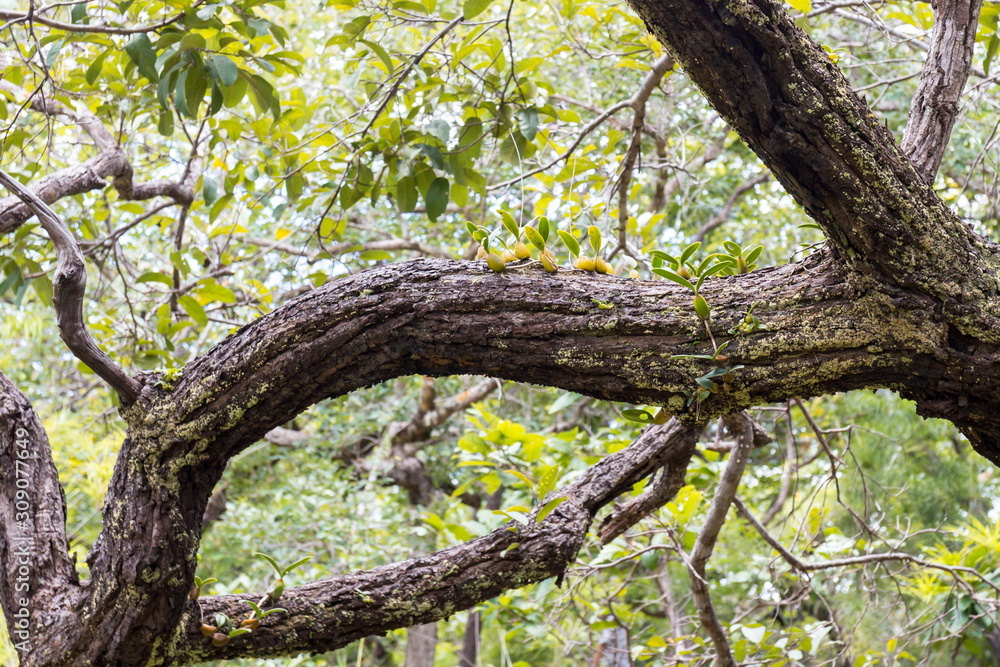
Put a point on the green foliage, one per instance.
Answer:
(324, 135)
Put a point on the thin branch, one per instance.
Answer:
(660, 491)
(70, 284)
(727, 208)
(742, 427)
(348, 246)
(638, 102)
(593, 125)
(785, 489)
(865, 559)
(34, 17)
(389, 96)
(935, 106)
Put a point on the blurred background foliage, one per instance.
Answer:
(328, 137)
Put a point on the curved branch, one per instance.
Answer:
(70, 284)
(945, 72)
(606, 337)
(334, 612)
(659, 69)
(727, 208)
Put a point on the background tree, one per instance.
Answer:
(227, 324)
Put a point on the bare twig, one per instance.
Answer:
(786, 474)
(593, 125)
(34, 17)
(864, 559)
(727, 208)
(70, 284)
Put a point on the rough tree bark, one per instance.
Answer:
(906, 297)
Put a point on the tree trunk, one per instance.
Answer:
(421, 641)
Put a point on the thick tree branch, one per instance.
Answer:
(793, 107)
(433, 317)
(69, 287)
(935, 106)
(334, 612)
(39, 584)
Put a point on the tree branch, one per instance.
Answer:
(779, 90)
(111, 161)
(663, 64)
(70, 285)
(334, 612)
(945, 72)
(661, 490)
(742, 427)
(39, 584)
(433, 317)
(727, 208)
(33, 17)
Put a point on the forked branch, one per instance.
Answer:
(70, 285)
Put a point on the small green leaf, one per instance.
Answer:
(690, 250)
(436, 198)
(193, 309)
(570, 242)
(527, 123)
(155, 277)
(381, 53)
(639, 416)
(534, 237)
(991, 52)
(223, 69)
(594, 232)
(509, 223)
(670, 275)
(547, 480)
(253, 605)
(298, 563)
(473, 8)
(544, 227)
(524, 478)
(270, 560)
(548, 507)
(701, 307)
